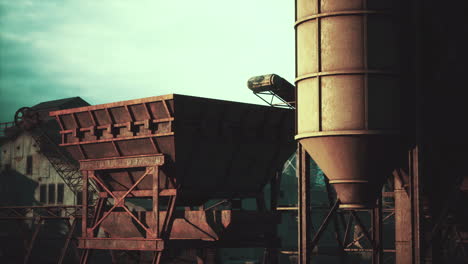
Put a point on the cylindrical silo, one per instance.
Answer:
(348, 98)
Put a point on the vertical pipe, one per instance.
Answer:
(304, 224)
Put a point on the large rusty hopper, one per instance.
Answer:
(169, 152)
(212, 148)
(348, 94)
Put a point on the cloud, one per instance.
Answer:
(113, 50)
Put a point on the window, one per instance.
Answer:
(60, 191)
(43, 193)
(29, 165)
(79, 198)
(51, 194)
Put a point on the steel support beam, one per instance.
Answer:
(71, 231)
(324, 225)
(33, 240)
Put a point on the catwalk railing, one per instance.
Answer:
(4, 126)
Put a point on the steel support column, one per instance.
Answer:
(377, 252)
(84, 220)
(270, 255)
(304, 223)
(408, 212)
(416, 212)
(403, 234)
(155, 196)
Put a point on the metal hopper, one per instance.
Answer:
(170, 151)
(213, 149)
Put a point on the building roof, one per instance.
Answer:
(44, 108)
(65, 103)
(47, 123)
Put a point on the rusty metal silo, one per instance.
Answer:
(348, 116)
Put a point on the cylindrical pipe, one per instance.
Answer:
(348, 93)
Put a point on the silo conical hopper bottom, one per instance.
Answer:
(356, 165)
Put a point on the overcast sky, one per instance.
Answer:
(113, 50)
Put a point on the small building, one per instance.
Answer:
(33, 169)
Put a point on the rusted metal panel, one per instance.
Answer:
(196, 225)
(122, 244)
(119, 163)
(140, 193)
(348, 93)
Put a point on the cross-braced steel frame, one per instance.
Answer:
(344, 221)
(156, 234)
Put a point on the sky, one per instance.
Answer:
(113, 50)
